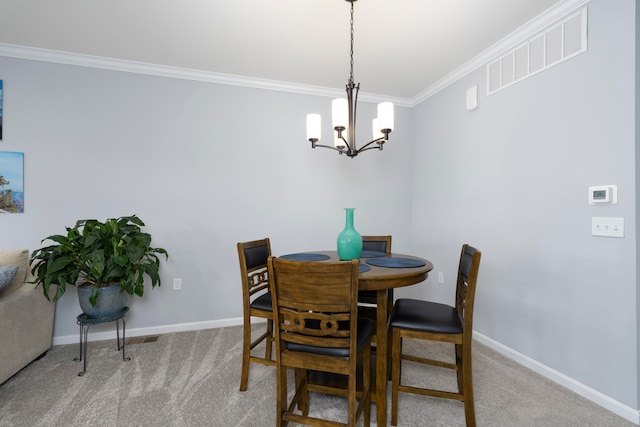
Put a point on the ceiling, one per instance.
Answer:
(402, 47)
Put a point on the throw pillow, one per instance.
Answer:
(7, 273)
(19, 257)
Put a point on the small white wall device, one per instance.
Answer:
(603, 194)
(472, 98)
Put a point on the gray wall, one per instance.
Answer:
(511, 178)
(204, 165)
(208, 165)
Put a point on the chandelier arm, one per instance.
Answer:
(379, 147)
(378, 141)
(340, 150)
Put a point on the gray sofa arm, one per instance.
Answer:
(26, 317)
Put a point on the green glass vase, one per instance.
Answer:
(349, 240)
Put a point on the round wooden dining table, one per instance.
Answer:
(381, 280)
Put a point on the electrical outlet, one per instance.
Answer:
(440, 277)
(177, 284)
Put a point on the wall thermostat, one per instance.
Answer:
(603, 194)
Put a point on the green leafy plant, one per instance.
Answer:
(101, 254)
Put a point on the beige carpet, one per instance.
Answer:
(192, 379)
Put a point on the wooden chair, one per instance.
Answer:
(256, 302)
(368, 300)
(317, 328)
(425, 320)
(377, 244)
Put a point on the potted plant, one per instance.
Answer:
(115, 254)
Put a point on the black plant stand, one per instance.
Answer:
(85, 323)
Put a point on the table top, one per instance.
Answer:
(379, 278)
(86, 320)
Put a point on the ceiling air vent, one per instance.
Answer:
(552, 46)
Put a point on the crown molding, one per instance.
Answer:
(81, 60)
(527, 31)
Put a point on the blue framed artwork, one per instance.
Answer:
(11, 182)
(0, 110)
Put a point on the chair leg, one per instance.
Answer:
(301, 379)
(396, 361)
(246, 349)
(352, 401)
(459, 372)
(467, 387)
(269, 341)
(366, 385)
(281, 395)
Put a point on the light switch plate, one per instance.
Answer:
(607, 227)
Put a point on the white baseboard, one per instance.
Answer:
(154, 330)
(594, 396)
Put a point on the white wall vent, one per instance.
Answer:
(552, 46)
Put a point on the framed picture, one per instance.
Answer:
(0, 110)
(11, 182)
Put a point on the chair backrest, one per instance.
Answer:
(376, 243)
(315, 303)
(466, 284)
(253, 266)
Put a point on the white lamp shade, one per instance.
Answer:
(339, 113)
(376, 129)
(314, 126)
(385, 115)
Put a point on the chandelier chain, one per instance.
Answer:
(351, 51)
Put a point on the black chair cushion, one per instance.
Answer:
(365, 331)
(256, 256)
(263, 302)
(375, 245)
(425, 316)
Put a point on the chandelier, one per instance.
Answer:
(343, 119)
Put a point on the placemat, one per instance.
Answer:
(306, 256)
(396, 262)
(372, 254)
(363, 268)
